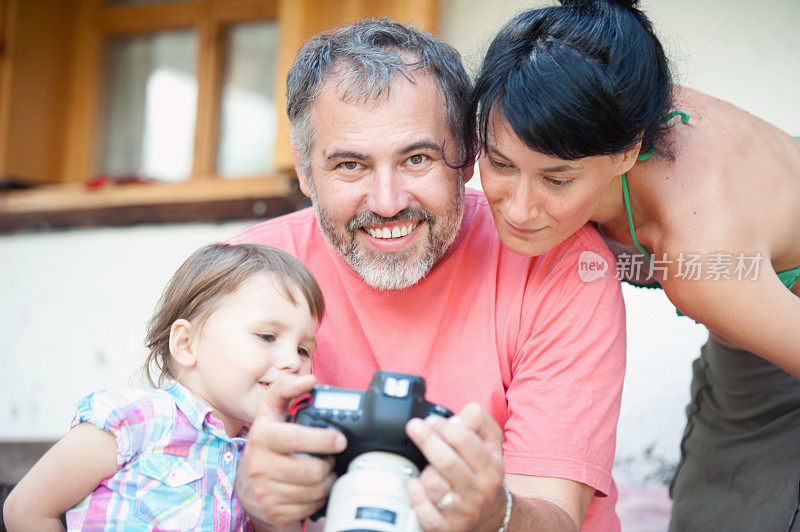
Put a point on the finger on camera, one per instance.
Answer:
(286, 503)
(290, 438)
(301, 469)
(281, 393)
(482, 423)
(284, 515)
(475, 452)
(439, 453)
(436, 486)
(428, 515)
(307, 494)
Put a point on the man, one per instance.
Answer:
(416, 281)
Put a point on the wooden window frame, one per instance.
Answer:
(69, 202)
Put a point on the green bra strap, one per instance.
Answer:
(626, 197)
(649, 153)
(626, 194)
(673, 114)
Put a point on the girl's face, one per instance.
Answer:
(537, 200)
(255, 335)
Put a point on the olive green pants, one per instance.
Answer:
(740, 454)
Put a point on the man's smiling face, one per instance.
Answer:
(380, 185)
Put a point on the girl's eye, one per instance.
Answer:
(351, 165)
(303, 352)
(267, 337)
(419, 158)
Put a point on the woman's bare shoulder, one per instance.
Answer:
(732, 181)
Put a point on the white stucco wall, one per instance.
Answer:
(73, 304)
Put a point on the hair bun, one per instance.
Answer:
(628, 4)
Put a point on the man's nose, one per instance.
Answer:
(387, 195)
(523, 202)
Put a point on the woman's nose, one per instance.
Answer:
(522, 203)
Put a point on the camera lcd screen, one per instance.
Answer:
(338, 400)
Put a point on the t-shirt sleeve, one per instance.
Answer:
(134, 417)
(567, 373)
(277, 232)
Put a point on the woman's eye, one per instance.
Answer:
(498, 164)
(303, 352)
(267, 337)
(419, 158)
(351, 165)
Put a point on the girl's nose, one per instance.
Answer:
(289, 361)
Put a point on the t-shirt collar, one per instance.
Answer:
(199, 414)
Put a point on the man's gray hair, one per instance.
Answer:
(364, 58)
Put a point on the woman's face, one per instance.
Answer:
(537, 200)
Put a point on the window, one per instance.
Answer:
(147, 107)
(120, 111)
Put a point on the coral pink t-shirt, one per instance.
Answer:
(524, 337)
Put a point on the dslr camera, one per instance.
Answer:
(370, 494)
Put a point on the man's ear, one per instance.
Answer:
(180, 343)
(301, 176)
(469, 171)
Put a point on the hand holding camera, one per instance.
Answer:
(379, 459)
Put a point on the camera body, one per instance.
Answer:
(372, 420)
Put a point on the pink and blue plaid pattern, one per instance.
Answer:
(176, 464)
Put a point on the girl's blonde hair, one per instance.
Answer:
(205, 278)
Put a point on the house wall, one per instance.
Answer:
(73, 304)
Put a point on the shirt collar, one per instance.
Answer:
(199, 414)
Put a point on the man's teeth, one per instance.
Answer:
(385, 232)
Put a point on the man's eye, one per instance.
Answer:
(558, 182)
(419, 158)
(351, 165)
(267, 337)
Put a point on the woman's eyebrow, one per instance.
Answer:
(560, 168)
(550, 169)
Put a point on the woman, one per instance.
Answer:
(578, 121)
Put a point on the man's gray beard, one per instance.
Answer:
(392, 270)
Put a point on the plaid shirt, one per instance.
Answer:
(176, 464)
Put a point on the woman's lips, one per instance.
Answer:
(514, 229)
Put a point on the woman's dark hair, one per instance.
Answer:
(585, 78)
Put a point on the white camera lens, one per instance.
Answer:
(372, 495)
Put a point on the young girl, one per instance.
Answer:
(230, 322)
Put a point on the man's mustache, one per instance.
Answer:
(371, 218)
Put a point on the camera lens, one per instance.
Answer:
(372, 495)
